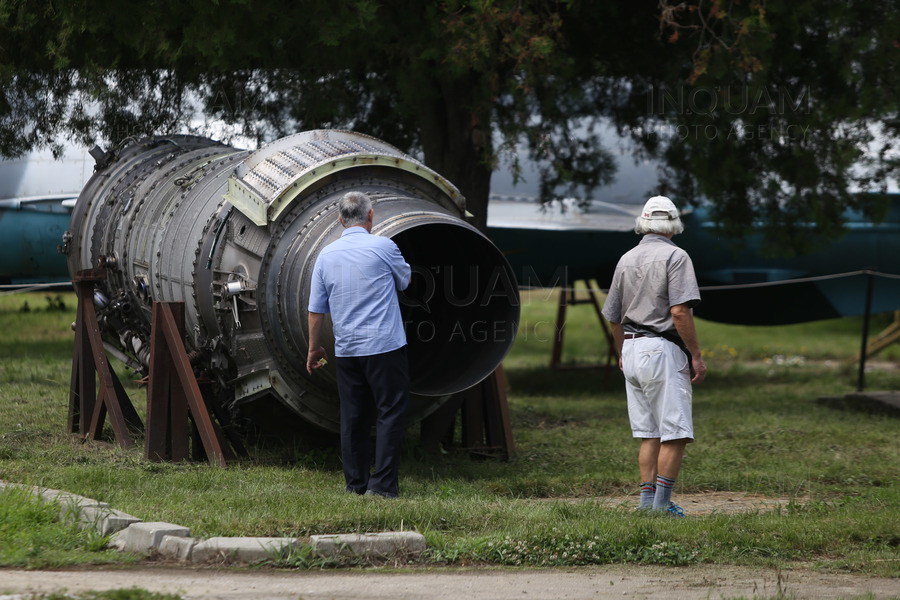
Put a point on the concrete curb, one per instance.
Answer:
(367, 544)
(146, 537)
(242, 550)
(130, 534)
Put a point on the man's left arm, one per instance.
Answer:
(400, 269)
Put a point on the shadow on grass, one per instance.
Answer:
(859, 403)
(542, 381)
(47, 350)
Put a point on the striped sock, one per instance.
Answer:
(664, 487)
(648, 491)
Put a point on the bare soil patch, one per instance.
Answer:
(707, 503)
(699, 582)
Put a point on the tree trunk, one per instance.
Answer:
(456, 140)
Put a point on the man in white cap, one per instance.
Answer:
(649, 308)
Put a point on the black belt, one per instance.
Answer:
(631, 336)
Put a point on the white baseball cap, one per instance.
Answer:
(659, 207)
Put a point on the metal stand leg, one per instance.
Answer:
(566, 298)
(87, 409)
(173, 396)
(484, 414)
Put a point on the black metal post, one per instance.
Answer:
(870, 284)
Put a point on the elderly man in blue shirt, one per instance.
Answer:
(356, 279)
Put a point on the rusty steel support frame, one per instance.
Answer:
(87, 409)
(486, 428)
(174, 397)
(567, 297)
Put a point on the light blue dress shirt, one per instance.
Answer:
(356, 279)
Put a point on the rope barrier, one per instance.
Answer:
(799, 280)
(35, 287)
(740, 286)
(19, 288)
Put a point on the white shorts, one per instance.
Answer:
(658, 386)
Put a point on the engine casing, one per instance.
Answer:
(234, 235)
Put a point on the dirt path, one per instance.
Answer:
(657, 583)
(711, 502)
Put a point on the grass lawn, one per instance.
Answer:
(759, 424)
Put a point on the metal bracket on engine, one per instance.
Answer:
(234, 290)
(265, 379)
(247, 200)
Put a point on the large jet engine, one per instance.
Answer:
(234, 236)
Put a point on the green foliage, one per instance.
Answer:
(782, 114)
(32, 536)
(435, 79)
(564, 550)
(301, 557)
(776, 101)
(122, 594)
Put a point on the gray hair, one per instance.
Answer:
(354, 207)
(660, 226)
(659, 215)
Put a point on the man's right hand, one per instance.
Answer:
(313, 358)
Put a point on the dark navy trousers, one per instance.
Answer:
(373, 390)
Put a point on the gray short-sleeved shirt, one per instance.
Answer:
(649, 280)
